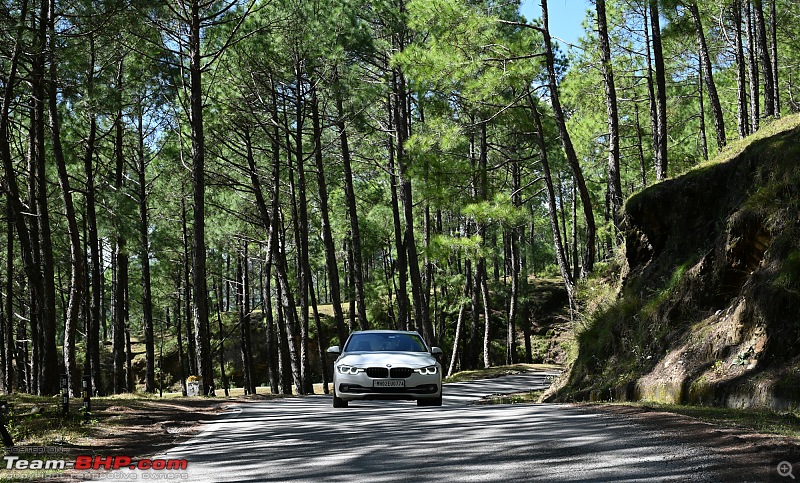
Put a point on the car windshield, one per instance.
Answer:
(396, 342)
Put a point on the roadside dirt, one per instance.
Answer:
(136, 429)
(744, 455)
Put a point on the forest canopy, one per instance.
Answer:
(250, 180)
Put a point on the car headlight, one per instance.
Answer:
(343, 369)
(427, 370)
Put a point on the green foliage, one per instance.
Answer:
(468, 67)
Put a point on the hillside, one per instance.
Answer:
(706, 306)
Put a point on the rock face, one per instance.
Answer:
(708, 309)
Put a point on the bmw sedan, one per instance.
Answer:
(386, 364)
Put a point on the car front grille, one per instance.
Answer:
(401, 372)
(376, 392)
(377, 372)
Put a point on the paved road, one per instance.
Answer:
(305, 439)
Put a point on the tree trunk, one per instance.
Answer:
(14, 206)
(45, 369)
(271, 349)
(459, 326)
(129, 378)
(403, 312)
(199, 283)
(482, 196)
(302, 233)
(179, 337)
(76, 252)
(566, 141)
(243, 303)
(290, 322)
(187, 296)
(471, 360)
(486, 313)
(614, 183)
(286, 298)
(766, 63)
(120, 252)
(776, 97)
(352, 211)
(8, 333)
(351, 283)
(457, 338)
(743, 123)
(660, 136)
(95, 302)
(286, 369)
(271, 222)
(640, 148)
(561, 258)
(702, 110)
(711, 87)
(221, 336)
(752, 62)
(327, 236)
(320, 341)
(513, 306)
(421, 313)
(144, 256)
(515, 269)
(118, 337)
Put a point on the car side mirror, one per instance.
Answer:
(436, 352)
(334, 349)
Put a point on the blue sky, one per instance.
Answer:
(565, 17)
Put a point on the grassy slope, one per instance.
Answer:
(704, 308)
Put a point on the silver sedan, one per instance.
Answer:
(386, 364)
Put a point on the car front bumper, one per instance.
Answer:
(351, 387)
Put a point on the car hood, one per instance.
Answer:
(381, 359)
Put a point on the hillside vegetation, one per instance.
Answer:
(704, 308)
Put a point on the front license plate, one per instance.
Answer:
(389, 383)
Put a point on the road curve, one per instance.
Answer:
(305, 439)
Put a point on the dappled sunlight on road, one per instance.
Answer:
(305, 439)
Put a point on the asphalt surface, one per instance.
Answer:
(305, 439)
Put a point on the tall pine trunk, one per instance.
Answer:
(776, 97)
(708, 75)
(352, 211)
(45, 369)
(766, 63)
(301, 223)
(561, 257)
(660, 135)
(403, 303)
(8, 332)
(118, 331)
(743, 122)
(14, 206)
(221, 337)
(95, 273)
(75, 248)
(327, 237)
(144, 256)
(614, 183)
(271, 345)
(199, 283)
(421, 313)
(566, 141)
(752, 62)
(702, 109)
(243, 303)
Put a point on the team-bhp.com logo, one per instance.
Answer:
(94, 463)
